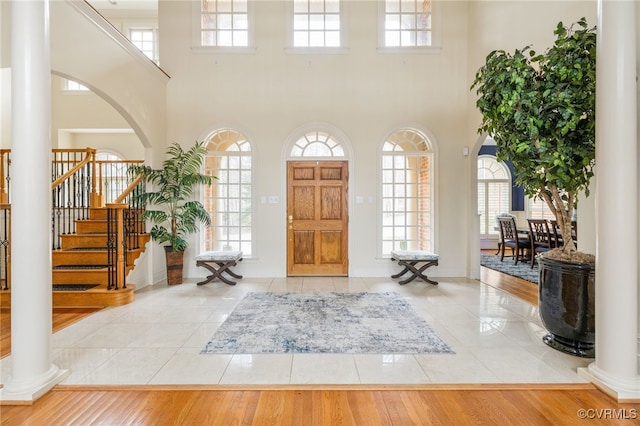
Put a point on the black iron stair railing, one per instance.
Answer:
(79, 183)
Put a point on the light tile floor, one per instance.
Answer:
(158, 339)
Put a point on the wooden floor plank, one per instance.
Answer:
(429, 405)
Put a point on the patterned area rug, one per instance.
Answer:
(521, 270)
(362, 323)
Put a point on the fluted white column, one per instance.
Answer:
(615, 369)
(32, 371)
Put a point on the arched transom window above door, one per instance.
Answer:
(229, 199)
(407, 192)
(317, 143)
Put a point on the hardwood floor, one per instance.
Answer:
(499, 404)
(515, 286)
(350, 405)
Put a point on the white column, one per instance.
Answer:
(32, 371)
(615, 369)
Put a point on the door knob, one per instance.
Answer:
(291, 219)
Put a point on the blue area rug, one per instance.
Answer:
(357, 323)
(521, 270)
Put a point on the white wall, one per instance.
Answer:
(364, 93)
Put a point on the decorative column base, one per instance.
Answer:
(621, 389)
(31, 390)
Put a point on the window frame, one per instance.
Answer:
(251, 198)
(492, 233)
(146, 27)
(344, 33)
(430, 154)
(436, 32)
(196, 32)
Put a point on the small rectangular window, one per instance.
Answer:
(145, 39)
(224, 23)
(316, 23)
(407, 23)
(316, 26)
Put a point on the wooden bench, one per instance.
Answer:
(218, 262)
(409, 259)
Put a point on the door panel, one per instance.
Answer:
(317, 218)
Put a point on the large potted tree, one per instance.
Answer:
(540, 110)
(169, 205)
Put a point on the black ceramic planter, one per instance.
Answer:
(566, 293)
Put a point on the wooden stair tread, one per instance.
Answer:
(75, 267)
(74, 287)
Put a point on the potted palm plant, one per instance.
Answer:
(540, 110)
(169, 207)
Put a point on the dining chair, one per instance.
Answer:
(539, 237)
(512, 239)
(555, 233)
(499, 229)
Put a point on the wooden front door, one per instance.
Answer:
(317, 218)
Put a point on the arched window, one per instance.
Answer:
(407, 192)
(112, 170)
(229, 199)
(494, 189)
(317, 144)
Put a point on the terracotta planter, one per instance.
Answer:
(174, 265)
(567, 306)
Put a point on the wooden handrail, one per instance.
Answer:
(71, 171)
(3, 188)
(128, 190)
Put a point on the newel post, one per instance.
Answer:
(96, 198)
(117, 246)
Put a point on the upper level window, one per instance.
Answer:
(224, 23)
(145, 40)
(316, 23)
(494, 189)
(407, 23)
(409, 26)
(73, 86)
(407, 192)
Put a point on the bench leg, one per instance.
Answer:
(410, 265)
(217, 273)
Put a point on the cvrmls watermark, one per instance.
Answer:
(608, 413)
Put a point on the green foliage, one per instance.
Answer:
(175, 216)
(540, 110)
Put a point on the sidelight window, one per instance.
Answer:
(229, 199)
(407, 192)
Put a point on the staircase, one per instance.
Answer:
(97, 233)
(81, 275)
